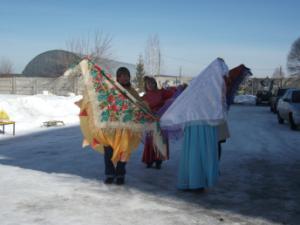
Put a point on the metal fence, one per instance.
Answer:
(37, 85)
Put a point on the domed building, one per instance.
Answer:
(55, 63)
(45, 74)
(50, 64)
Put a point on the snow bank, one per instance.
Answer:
(29, 112)
(245, 99)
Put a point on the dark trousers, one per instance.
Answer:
(110, 169)
(220, 148)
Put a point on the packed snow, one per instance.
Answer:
(245, 99)
(47, 178)
(29, 112)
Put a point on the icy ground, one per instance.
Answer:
(46, 178)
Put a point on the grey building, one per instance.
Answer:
(54, 63)
(45, 73)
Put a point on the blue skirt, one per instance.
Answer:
(199, 164)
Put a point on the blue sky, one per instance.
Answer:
(192, 33)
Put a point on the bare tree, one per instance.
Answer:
(153, 60)
(293, 60)
(97, 47)
(6, 66)
(140, 73)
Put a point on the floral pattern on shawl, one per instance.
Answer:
(113, 103)
(112, 115)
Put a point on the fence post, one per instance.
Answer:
(13, 82)
(35, 86)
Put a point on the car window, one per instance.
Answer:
(290, 94)
(281, 92)
(285, 95)
(296, 96)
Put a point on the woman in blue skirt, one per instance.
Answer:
(199, 164)
(198, 111)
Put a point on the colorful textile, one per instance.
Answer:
(171, 133)
(170, 100)
(199, 164)
(155, 100)
(236, 76)
(111, 116)
(123, 141)
(113, 105)
(151, 155)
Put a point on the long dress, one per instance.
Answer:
(198, 111)
(155, 100)
(199, 164)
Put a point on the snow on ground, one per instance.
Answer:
(245, 99)
(47, 178)
(29, 112)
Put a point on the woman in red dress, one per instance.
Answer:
(155, 98)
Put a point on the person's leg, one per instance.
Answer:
(158, 164)
(120, 172)
(219, 150)
(110, 172)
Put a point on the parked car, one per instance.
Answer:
(288, 108)
(274, 99)
(263, 97)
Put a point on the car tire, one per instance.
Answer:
(293, 126)
(275, 109)
(258, 101)
(280, 120)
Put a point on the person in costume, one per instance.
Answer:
(198, 111)
(113, 118)
(155, 98)
(114, 141)
(118, 171)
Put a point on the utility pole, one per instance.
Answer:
(252, 86)
(280, 75)
(159, 59)
(180, 74)
(280, 71)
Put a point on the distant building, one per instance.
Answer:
(171, 80)
(252, 85)
(44, 73)
(295, 75)
(54, 63)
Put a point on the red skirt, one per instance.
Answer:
(150, 154)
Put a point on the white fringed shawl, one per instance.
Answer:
(203, 101)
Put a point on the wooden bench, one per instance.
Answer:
(4, 123)
(52, 123)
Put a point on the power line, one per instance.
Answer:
(181, 59)
(197, 63)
